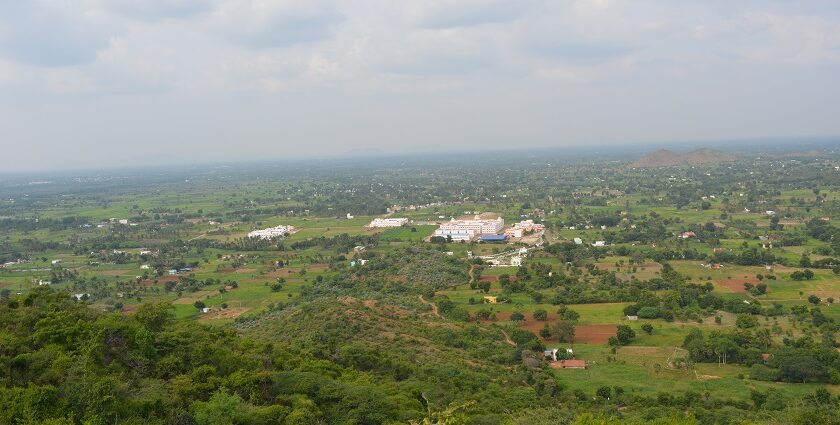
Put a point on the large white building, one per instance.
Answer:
(519, 229)
(388, 222)
(463, 230)
(272, 232)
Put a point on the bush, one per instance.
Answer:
(650, 312)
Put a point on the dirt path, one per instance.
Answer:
(507, 338)
(470, 273)
(432, 305)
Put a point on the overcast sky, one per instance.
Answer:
(113, 82)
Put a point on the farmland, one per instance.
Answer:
(702, 293)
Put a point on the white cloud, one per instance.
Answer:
(545, 70)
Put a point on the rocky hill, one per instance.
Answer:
(666, 158)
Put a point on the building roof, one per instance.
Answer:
(494, 237)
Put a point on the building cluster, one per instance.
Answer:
(523, 227)
(388, 222)
(272, 232)
(465, 230)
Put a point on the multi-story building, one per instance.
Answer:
(272, 232)
(462, 230)
(519, 229)
(388, 222)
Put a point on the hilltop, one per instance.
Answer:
(666, 158)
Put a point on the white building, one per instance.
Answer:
(519, 229)
(54, 262)
(272, 232)
(462, 230)
(388, 222)
(599, 243)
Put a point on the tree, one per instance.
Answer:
(199, 304)
(276, 287)
(564, 330)
(648, 328)
(545, 332)
(624, 334)
(541, 315)
(746, 321)
(604, 392)
(813, 299)
(517, 316)
(223, 408)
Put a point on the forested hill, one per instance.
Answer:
(339, 360)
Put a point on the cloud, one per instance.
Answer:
(466, 13)
(157, 9)
(263, 23)
(52, 34)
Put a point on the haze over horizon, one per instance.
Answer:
(94, 83)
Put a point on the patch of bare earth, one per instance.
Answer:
(594, 334)
(227, 313)
(737, 285)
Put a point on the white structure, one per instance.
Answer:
(145, 252)
(388, 222)
(463, 230)
(54, 262)
(123, 221)
(272, 232)
(144, 267)
(516, 261)
(349, 216)
(43, 283)
(599, 243)
(578, 241)
(519, 229)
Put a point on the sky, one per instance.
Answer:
(102, 83)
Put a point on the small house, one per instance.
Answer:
(631, 317)
(490, 299)
(578, 241)
(173, 272)
(686, 235)
(551, 353)
(54, 262)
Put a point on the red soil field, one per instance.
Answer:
(594, 334)
(737, 285)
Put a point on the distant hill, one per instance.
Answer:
(666, 158)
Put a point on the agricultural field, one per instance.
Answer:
(708, 295)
